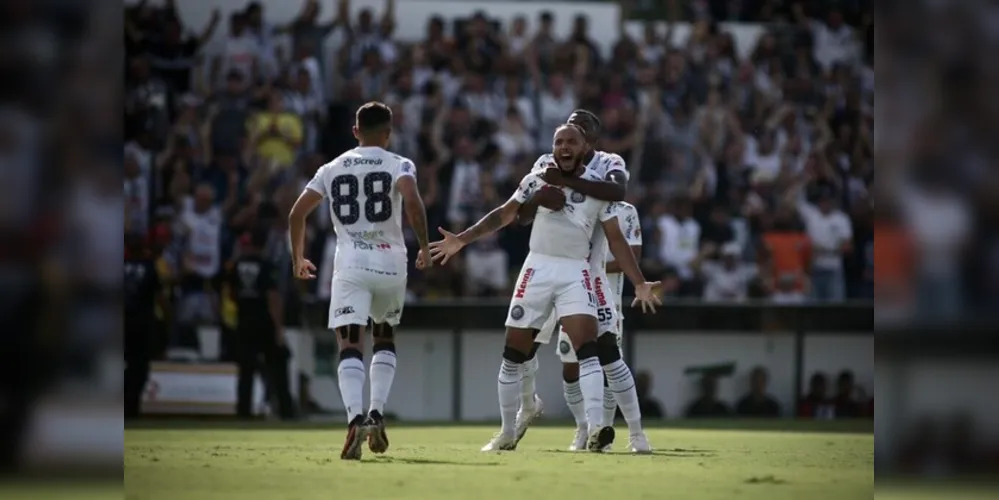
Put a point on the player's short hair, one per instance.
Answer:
(572, 126)
(373, 116)
(591, 125)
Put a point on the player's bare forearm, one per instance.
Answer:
(601, 190)
(304, 206)
(614, 267)
(527, 211)
(495, 220)
(416, 212)
(621, 251)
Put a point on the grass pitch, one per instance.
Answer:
(303, 462)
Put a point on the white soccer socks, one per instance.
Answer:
(622, 384)
(382, 374)
(350, 377)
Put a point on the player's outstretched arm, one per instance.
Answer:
(619, 248)
(306, 203)
(615, 267)
(416, 213)
(495, 220)
(612, 188)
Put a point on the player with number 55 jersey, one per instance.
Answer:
(366, 189)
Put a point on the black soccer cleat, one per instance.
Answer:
(375, 427)
(356, 434)
(600, 439)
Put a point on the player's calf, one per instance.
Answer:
(581, 330)
(350, 370)
(515, 354)
(383, 365)
(620, 381)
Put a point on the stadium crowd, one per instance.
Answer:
(751, 175)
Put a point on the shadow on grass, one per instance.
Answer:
(427, 461)
(672, 453)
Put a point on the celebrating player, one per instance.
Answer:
(367, 187)
(618, 380)
(555, 274)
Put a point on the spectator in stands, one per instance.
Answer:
(846, 403)
(789, 251)
(276, 134)
(816, 403)
(757, 403)
(707, 404)
(726, 279)
(679, 235)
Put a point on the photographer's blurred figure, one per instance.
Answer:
(259, 330)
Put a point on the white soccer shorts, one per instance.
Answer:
(358, 294)
(551, 284)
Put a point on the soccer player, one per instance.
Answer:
(618, 381)
(555, 274)
(367, 188)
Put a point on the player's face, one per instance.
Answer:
(568, 148)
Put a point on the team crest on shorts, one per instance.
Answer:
(577, 197)
(564, 347)
(517, 312)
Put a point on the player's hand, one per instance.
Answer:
(646, 295)
(442, 250)
(551, 198)
(553, 176)
(305, 270)
(423, 260)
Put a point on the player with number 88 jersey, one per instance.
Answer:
(366, 189)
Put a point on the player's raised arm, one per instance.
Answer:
(310, 198)
(416, 213)
(495, 220)
(619, 248)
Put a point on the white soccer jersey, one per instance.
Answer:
(365, 206)
(567, 232)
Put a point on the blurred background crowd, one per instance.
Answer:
(751, 174)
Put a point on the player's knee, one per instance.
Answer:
(514, 356)
(382, 333)
(349, 334)
(534, 350)
(351, 353)
(587, 350)
(607, 349)
(570, 372)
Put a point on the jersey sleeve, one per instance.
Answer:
(529, 185)
(609, 211)
(543, 162)
(318, 184)
(406, 168)
(615, 163)
(631, 225)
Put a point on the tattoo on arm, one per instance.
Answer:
(493, 221)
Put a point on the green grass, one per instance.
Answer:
(272, 462)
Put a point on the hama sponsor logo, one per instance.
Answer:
(522, 286)
(342, 311)
(517, 312)
(601, 298)
(361, 245)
